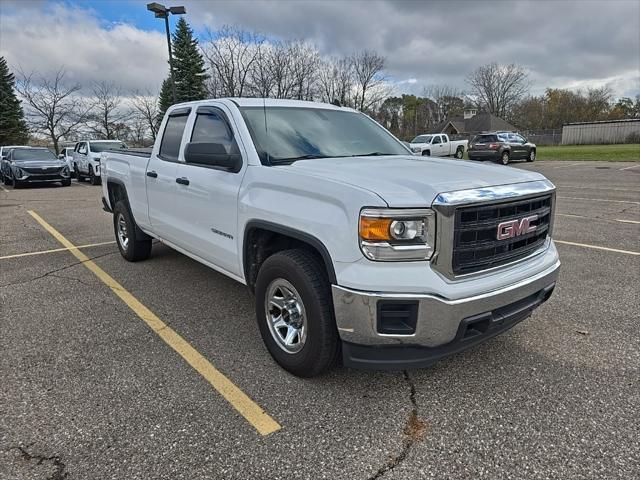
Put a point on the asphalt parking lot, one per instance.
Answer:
(90, 391)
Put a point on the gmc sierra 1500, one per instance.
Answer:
(352, 246)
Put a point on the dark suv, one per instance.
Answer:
(501, 147)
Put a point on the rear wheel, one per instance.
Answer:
(459, 152)
(295, 315)
(532, 155)
(504, 158)
(132, 243)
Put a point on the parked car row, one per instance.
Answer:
(23, 164)
(501, 147)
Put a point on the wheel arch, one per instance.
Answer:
(262, 239)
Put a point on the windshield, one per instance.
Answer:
(102, 146)
(422, 139)
(33, 154)
(294, 133)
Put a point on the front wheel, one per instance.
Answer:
(459, 153)
(504, 158)
(66, 183)
(6, 179)
(426, 153)
(132, 243)
(532, 156)
(294, 310)
(93, 178)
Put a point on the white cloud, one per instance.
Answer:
(44, 40)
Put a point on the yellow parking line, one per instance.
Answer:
(55, 250)
(596, 247)
(251, 411)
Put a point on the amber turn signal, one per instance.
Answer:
(372, 228)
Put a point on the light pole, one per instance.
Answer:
(163, 12)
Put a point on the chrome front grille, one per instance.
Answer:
(475, 243)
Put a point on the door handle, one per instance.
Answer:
(182, 181)
(152, 174)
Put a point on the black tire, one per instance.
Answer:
(426, 153)
(66, 183)
(95, 180)
(308, 276)
(139, 244)
(532, 155)
(459, 153)
(504, 158)
(6, 180)
(16, 183)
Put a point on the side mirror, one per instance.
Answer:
(61, 156)
(212, 155)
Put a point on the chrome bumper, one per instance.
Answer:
(438, 318)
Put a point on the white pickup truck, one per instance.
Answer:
(86, 158)
(354, 248)
(438, 145)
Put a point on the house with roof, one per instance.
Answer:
(472, 122)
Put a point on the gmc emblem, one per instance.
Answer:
(515, 228)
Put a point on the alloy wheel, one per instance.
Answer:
(286, 316)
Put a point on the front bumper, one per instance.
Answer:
(443, 326)
(42, 178)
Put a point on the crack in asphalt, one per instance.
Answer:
(60, 467)
(414, 431)
(53, 272)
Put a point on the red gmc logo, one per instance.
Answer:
(515, 228)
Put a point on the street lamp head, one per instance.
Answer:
(180, 10)
(156, 8)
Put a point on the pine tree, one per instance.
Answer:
(188, 65)
(166, 98)
(13, 128)
(188, 68)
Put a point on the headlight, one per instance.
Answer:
(18, 172)
(416, 149)
(397, 234)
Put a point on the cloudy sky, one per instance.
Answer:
(571, 44)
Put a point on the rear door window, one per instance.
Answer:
(172, 137)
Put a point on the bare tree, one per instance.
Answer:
(54, 107)
(108, 113)
(147, 109)
(231, 54)
(335, 81)
(498, 88)
(370, 82)
(449, 102)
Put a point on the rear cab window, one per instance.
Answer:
(172, 135)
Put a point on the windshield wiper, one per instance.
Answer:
(275, 161)
(372, 154)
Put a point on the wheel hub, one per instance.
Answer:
(285, 315)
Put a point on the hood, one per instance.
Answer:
(410, 181)
(39, 163)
